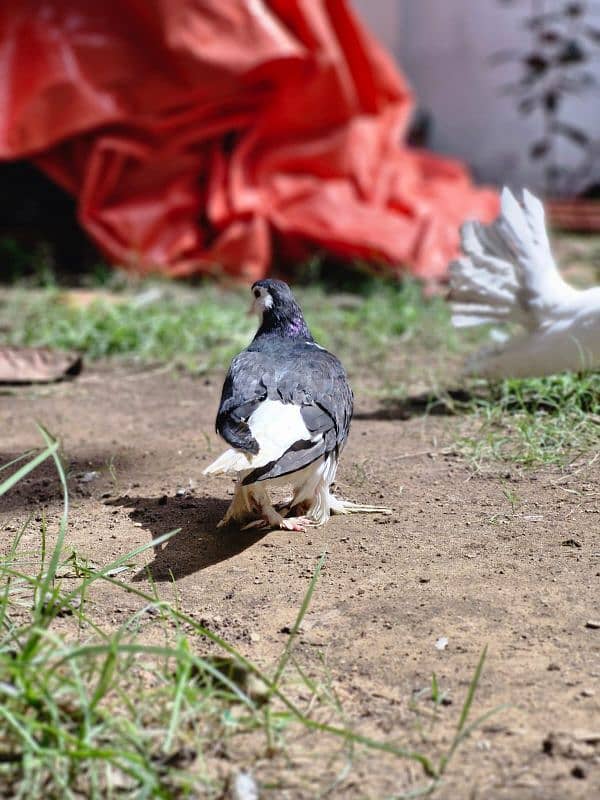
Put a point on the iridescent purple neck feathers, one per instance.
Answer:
(286, 321)
(282, 316)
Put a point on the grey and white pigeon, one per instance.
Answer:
(285, 410)
(508, 274)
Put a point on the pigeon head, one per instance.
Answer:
(278, 311)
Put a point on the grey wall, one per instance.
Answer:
(444, 47)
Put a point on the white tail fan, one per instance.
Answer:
(508, 274)
(276, 427)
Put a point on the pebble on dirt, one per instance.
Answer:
(243, 787)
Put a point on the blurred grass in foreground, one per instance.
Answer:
(89, 711)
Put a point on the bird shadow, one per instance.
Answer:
(462, 401)
(197, 545)
(446, 403)
(86, 472)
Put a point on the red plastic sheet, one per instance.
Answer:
(206, 135)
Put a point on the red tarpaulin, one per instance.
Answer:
(197, 133)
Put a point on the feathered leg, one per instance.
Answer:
(318, 503)
(269, 517)
(241, 507)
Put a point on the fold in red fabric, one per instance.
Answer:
(221, 135)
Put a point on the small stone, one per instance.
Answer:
(589, 737)
(552, 667)
(243, 787)
(87, 477)
(587, 692)
(441, 643)
(571, 543)
(527, 782)
(594, 624)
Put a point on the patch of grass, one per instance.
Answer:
(383, 318)
(535, 421)
(27, 264)
(528, 422)
(203, 327)
(87, 712)
(200, 329)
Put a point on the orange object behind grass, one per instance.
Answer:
(194, 133)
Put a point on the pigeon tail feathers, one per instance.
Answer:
(508, 273)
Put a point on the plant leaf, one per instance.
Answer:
(593, 34)
(539, 149)
(576, 135)
(536, 63)
(571, 53)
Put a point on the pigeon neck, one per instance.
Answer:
(287, 323)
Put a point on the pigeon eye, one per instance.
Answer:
(257, 293)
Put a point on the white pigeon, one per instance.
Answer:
(508, 275)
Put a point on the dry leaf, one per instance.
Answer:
(36, 364)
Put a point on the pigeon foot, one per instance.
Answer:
(275, 520)
(296, 523)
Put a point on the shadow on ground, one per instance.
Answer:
(42, 487)
(448, 403)
(197, 545)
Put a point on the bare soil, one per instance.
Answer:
(500, 557)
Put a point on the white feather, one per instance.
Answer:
(508, 274)
(276, 426)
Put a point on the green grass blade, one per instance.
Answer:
(471, 691)
(298, 621)
(184, 675)
(461, 731)
(43, 608)
(16, 460)
(8, 483)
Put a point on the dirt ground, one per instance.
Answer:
(500, 557)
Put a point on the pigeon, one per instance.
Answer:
(508, 275)
(285, 411)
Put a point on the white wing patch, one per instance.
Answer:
(275, 426)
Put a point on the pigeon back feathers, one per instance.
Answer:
(286, 401)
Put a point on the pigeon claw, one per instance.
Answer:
(272, 522)
(295, 523)
(256, 524)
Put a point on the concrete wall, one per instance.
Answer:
(444, 47)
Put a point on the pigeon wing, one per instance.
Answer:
(244, 389)
(315, 381)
